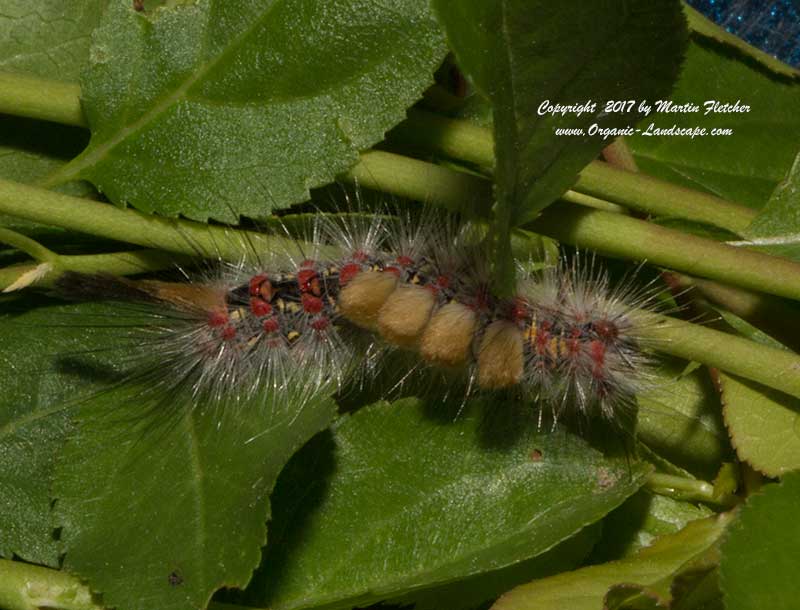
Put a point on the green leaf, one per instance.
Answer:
(745, 167)
(161, 500)
(764, 425)
(759, 557)
(33, 424)
(586, 589)
(778, 224)
(217, 108)
(522, 54)
(414, 497)
(47, 38)
(471, 591)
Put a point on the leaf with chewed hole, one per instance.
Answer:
(415, 496)
(162, 501)
(217, 108)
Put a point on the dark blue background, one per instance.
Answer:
(773, 26)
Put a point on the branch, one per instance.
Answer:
(36, 98)
(116, 263)
(106, 220)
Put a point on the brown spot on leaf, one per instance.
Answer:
(175, 578)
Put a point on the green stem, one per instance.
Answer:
(426, 182)
(105, 220)
(618, 154)
(774, 316)
(36, 98)
(116, 263)
(27, 245)
(28, 587)
(593, 202)
(453, 138)
(684, 488)
(628, 237)
(408, 177)
(653, 196)
(770, 366)
(468, 142)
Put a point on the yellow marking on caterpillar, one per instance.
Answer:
(531, 332)
(554, 347)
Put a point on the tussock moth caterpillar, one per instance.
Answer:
(306, 322)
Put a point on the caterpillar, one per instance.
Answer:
(304, 321)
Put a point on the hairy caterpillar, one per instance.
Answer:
(305, 321)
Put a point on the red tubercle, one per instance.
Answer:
(360, 256)
(261, 287)
(520, 310)
(606, 330)
(597, 351)
(311, 304)
(308, 281)
(255, 283)
(348, 272)
(543, 337)
(217, 319)
(405, 261)
(260, 307)
(321, 323)
(229, 332)
(443, 281)
(573, 342)
(393, 270)
(270, 325)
